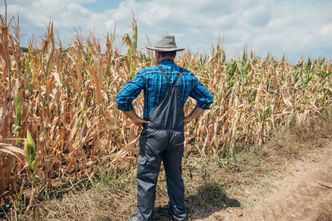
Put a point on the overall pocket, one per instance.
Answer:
(148, 131)
(178, 138)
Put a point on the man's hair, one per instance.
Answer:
(168, 54)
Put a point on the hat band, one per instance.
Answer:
(165, 46)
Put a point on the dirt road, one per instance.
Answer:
(298, 194)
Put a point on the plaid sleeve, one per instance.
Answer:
(201, 94)
(129, 92)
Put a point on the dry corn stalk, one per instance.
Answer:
(66, 99)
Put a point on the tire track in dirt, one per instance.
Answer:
(297, 196)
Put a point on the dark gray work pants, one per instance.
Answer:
(158, 145)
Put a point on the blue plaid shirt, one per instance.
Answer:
(153, 82)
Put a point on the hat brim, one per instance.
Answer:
(164, 49)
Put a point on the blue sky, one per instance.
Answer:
(293, 28)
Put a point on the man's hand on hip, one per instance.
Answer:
(139, 121)
(187, 120)
(193, 115)
(134, 118)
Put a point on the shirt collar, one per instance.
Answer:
(167, 62)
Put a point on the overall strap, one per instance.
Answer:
(166, 76)
(164, 73)
(178, 79)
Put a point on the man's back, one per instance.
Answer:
(152, 81)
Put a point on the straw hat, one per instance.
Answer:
(165, 43)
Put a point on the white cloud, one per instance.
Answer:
(297, 28)
(327, 30)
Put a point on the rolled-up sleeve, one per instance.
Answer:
(129, 92)
(201, 95)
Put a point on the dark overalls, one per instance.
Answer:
(162, 140)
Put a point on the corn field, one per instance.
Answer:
(59, 119)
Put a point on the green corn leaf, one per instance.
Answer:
(30, 151)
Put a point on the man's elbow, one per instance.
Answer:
(206, 104)
(203, 105)
(118, 102)
(124, 106)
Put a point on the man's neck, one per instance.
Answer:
(166, 59)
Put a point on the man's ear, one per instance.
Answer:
(157, 56)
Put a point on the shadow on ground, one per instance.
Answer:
(209, 199)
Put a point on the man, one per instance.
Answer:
(166, 88)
